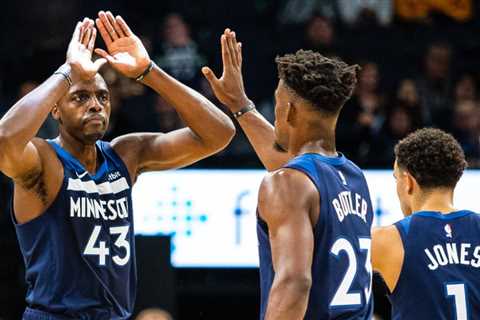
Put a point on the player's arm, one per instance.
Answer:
(19, 157)
(286, 200)
(209, 129)
(229, 89)
(387, 254)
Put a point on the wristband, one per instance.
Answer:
(144, 73)
(249, 107)
(66, 76)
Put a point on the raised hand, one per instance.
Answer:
(229, 88)
(79, 53)
(126, 52)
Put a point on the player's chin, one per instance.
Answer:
(93, 136)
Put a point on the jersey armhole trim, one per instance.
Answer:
(307, 174)
(111, 152)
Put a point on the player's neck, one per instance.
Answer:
(314, 139)
(86, 154)
(439, 200)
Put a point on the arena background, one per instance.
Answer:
(420, 68)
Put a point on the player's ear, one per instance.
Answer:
(292, 113)
(410, 183)
(56, 113)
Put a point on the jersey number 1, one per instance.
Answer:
(457, 290)
(102, 251)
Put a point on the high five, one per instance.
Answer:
(72, 195)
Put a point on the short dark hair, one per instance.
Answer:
(433, 157)
(327, 83)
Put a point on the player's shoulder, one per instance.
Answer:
(386, 246)
(127, 143)
(384, 235)
(285, 185)
(385, 239)
(285, 180)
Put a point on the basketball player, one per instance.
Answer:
(314, 212)
(430, 260)
(72, 203)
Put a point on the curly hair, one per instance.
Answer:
(433, 157)
(327, 83)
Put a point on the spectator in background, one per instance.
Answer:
(466, 130)
(465, 89)
(127, 95)
(407, 96)
(362, 116)
(179, 54)
(434, 85)
(361, 12)
(320, 36)
(399, 124)
(419, 11)
(300, 11)
(49, 129)
(166, 117)
(154, 314)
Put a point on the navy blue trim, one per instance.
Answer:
(441, 216)
(76, 164)
(403, 226)
(334, 161)
(109, 151)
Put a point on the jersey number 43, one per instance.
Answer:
(102, 251)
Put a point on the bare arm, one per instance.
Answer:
(209, 130)
(229, 89)
(288, 216)
(19, 156)
(387, 254)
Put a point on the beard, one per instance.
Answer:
(277, 146)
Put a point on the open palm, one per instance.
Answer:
(229, 88)
(80, 48)
(126, 52)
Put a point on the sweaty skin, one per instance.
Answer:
(290, 216)
(83, 111)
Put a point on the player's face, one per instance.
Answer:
(401, 179)
(282, 100)
(85, 110)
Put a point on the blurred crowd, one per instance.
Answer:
(418, 62)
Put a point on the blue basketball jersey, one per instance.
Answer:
(341, 269)
(80, 253)
(440, 276)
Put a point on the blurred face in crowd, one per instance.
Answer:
(407, 92)
(465, 88)
(85, 110)
(368, 79)
(466, 116)
(176, 31)
(400, 122)
(320, 32)
(438, 62)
